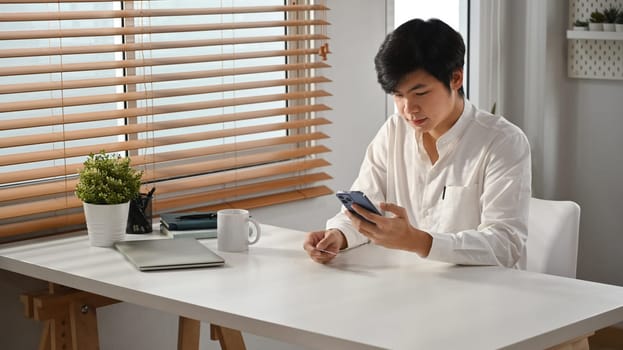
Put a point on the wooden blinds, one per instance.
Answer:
(218, 102)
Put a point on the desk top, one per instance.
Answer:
(367, 298)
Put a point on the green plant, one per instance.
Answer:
(579, 23)
(108, 179)
(611, 14)
(597, 17)
(620, 17)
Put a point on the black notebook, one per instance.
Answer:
(164, 254)
(188, 221)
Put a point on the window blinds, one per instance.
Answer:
(219, 105)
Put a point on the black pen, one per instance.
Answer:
(443, 194)
(151, 192)
(147, 198)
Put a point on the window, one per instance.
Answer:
(217, 104)
(452, 12)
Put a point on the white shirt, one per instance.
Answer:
(473, 201)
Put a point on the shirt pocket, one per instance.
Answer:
(460, 208)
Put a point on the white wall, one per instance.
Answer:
(575, 128)
(359, 107)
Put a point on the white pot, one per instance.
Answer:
(580, 29)
(608, 27)
(619, 27)
(596, 26)
(106, 223)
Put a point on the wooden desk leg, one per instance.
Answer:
(45, 342)
(188, 334)
(83, 323)
(69, 316)
(579, 343)
(230, 339)
(60, 333)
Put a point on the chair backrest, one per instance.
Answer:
(553, 232)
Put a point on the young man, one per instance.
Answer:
(453, 181)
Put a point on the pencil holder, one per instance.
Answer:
(139, 218)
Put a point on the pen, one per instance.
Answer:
(443, 194)
(147, 198)
(325, 251)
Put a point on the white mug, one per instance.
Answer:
(232, 230)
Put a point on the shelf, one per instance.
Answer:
(594, 35)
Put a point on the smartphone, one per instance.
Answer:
(357, 197)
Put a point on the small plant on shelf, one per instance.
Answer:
(597, 17)
(619, 22)
(596, 21)
(580, 25)
(610, 14)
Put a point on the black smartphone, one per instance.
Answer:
(357, 197)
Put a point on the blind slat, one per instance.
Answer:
(273, 199)
(106, 31)
(163, 109)
(230, 163)
(241, 190)
(152, 94)
(74, 67)
(62, 185)
(140, 128)
(77, 15)
(159, 45)
(37, 156)
(240, 175)
(47, 172)
(57, 204)
(141, 79)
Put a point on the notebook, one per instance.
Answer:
(164, 254)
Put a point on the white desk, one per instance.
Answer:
(369, 297)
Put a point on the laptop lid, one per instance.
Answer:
(164, 254)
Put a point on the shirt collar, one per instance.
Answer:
(457, 130)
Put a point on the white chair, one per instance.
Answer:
(553, 230)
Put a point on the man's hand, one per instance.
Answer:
(395, 232)
(323, 246)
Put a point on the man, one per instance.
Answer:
(453, 181)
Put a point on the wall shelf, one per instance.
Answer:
(594, 35)
(593, 54)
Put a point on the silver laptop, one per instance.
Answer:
(164, 254)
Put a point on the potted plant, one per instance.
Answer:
(596, 21)
(619, 22)
(610, 15)
(580, 25)
(106, 185)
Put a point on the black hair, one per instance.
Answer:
(429, 45)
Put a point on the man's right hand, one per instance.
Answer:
(323, 246)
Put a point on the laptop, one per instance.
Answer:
(165, 254)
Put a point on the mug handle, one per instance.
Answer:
(257, 231)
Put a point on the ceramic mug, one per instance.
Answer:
(233, 232)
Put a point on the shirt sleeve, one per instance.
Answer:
(372, 180)
(501, 235)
